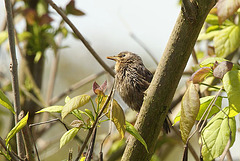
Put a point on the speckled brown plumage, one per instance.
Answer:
(132, 80)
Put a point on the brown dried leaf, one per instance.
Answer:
(190, 105)
(45, 19)
(222, 69)
(226, 8)
(31, 16)
(77, 123)
(200, 75)
(99, 90)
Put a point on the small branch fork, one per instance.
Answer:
(94, 126)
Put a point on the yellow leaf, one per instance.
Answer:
(118, 117)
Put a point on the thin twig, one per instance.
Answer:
(70, 155)
(226, 149)
(27, 71)
(144, 47)
(75, 86)
(50, 121)
(91, 146)
(229, 157)
(53, 73)
(34, 143)
(41, 123)
(14, 73)
(84, 41)
(194, 154)
(32, 97)
(13, 155)
(110, 126)
(211, 86)
(194, 56)
(94, 124)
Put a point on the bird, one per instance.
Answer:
(132, 79)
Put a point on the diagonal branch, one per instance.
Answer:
(166, 78)
(75, 86)
(79, 35)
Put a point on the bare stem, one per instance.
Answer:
(13, 155)
(79, 35)
(53, 73)
(94, 124)
(74, 87)
(14, 73)
(144, 47)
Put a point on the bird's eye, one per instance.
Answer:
(122, 55)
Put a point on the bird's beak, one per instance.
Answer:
(115, 58)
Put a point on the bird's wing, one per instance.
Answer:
(141, 79)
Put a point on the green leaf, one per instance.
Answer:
(17, 128)
(3, 36)
(5, 102)
(213, 20)
(189, 110)
(74, 103)
(204, 103)
(118, 117)
(89, 114)
(208, 36)
(231, 83)
(68, 136)
(24, 36)
(177, 118)
(82, 159)
(37, 56)
(131, 130)
(51, 109)
(67, 99)
(216, 134)
(210, 61)
(227, 41)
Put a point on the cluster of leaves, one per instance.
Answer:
(39, 28)
(5, 102)
(113, 112)
(221, 128)
(223, 32)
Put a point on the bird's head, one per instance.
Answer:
(124, 59)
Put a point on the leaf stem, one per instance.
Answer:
(94, 124)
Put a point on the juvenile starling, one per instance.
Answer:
(132, 80)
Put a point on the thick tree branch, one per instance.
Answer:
(161, 90)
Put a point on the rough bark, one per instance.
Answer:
(169, 71)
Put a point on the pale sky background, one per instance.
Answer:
(106, 26)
